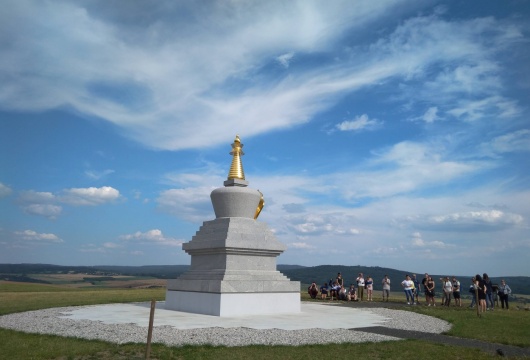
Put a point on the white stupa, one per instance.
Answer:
(233, 258)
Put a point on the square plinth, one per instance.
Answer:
(233, 304)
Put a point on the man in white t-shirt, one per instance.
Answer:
(386, 287)
(456, 292)
(360, 287)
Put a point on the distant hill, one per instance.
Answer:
(306, 275)
(323, 273)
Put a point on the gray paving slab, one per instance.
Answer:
(312, 315)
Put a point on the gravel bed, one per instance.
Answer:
(52, 321)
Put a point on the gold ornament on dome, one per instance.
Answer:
(236, 168)
(260, 205)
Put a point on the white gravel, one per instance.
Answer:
(52, 321)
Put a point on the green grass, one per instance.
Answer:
(509, 327)
(24, 297)
(500, 326)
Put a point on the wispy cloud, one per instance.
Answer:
(34, 237)
(48, 205)
(154, 236)
(89, 196)
(362, 122)
(285, 59)
(5, 190)
(142, 98)
(97, 175)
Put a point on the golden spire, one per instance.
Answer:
(236, 169)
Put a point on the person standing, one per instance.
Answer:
(472, 288)
(504, 293)
(340, 279)
(360, 287)
(429, 291)
(416, 287)
(456, 292)
(424, 283)
(370, 288)
(448, 290)
(386, 287)
(408, 285)
(489, 291)
(481, 286)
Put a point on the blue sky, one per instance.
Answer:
(382, 133)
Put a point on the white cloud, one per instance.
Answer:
(31, 196)
(411, 166)
(230, 43)
(5, 190)
(517, 141)
(360, 123)
(111, 245)
(319, 223)
(40, 238)
(96, 175)
(154, 236)
(46, 210)
(473, 110)
(430, 115)
(477, 220)
(46, 204)
(192, 204)
(417, 241)
(91, 248)
(285, 59)
(89, 196)
(300, 245)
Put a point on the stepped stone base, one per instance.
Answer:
(233, 268)
(233, 304)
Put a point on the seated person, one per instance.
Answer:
(352, 293)
(312, 290)
(324, 291)
(334, 292)
(342, 294)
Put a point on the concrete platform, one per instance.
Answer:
(311, 316)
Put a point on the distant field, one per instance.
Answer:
(118, 282)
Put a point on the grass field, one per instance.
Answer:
(508, 327)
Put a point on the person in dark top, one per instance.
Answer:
(481, 285)
(424, 284)
(324, 291)
(489, 291)
(313, 290)
(340, 280)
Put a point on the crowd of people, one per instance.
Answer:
(481, 289)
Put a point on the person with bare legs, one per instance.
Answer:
(481, 285)
(430, 291)
(370, 288)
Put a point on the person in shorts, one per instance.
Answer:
(324, 291)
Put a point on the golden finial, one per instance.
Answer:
(236, 169)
